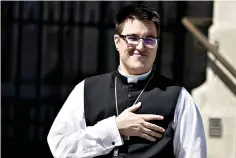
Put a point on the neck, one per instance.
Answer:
(132, 71)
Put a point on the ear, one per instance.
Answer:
(116, 40)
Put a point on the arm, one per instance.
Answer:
(189, 139)
(69, 136)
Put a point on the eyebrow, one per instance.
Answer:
(147, 36)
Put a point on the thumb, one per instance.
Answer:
(134, 107)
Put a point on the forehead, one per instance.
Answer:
(141, 28)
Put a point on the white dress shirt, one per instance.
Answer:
(69, 137)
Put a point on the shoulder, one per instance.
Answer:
(165, 83)
(185, 98)
(99, 79)
(186, 104)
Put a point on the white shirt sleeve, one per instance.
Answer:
(70, 137)
(189, 136)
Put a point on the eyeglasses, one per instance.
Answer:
(132, 40)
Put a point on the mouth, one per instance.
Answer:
(139, 54)
(136, 53)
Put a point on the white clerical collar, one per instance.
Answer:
(134, 78)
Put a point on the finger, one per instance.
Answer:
(146, 136)
(151, 133)
(134, 107)
(153, 127)
(149, 117)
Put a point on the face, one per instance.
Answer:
(136, 59)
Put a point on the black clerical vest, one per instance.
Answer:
(159, 97)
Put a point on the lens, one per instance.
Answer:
(150, 42)
(147, 42)
(132, 40)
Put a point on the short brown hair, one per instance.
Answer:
(136, 11)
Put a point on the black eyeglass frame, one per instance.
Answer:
(143, 38)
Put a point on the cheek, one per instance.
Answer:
(125, 52)
(153, 55)
(122, 48)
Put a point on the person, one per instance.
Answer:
(133, 111)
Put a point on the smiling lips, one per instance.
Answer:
(139, 54)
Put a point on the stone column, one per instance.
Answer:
(216, 98)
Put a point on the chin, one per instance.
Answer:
(138, 67)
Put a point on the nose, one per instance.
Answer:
(140, 44)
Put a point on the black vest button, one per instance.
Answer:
(129, 95)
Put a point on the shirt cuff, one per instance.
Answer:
(110, 134)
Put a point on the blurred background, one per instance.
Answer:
(49, 47)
